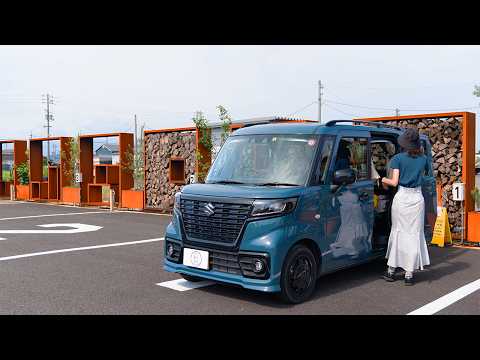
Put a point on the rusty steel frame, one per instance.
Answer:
(468, 150)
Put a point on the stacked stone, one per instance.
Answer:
(446, 138)
(159, 148)
(379, 157)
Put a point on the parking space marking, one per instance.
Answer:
(50, 215)
(21, 256)
(184, 285)
(75, 228)
(447, 300)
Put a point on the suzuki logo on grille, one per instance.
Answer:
(209, 209)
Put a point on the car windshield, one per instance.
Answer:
(264, 160)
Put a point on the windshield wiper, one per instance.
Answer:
(277, 184)
(226, 182)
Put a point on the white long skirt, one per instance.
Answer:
(407, 247)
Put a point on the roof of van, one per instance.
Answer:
(307, 128)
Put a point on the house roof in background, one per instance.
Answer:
(114, 148)
(243, 122)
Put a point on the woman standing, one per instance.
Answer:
(407, 247)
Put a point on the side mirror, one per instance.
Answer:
(344, 177)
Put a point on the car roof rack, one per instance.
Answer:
(369, 123)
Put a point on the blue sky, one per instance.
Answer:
(100, 88)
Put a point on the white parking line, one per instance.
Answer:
(184, 285)
(49, 215)
(21, 256)
(447, 300)
(105, 210)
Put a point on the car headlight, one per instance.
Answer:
(176, 203)
(273, 207)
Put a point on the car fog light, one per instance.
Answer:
(258, 266)
(170, 250)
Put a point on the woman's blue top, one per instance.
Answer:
(411, 169)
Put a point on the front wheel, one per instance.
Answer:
(299, 275)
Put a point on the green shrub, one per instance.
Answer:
(476, 196)
(23, 173)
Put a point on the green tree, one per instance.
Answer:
(226, 121)
(134, 163)
(23, 173)
(476, 90)
(72, 160)
(202, 124)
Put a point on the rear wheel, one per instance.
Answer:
(299, 275)
(191, 278)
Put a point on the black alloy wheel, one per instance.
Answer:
(299, 275)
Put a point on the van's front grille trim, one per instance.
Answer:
(216, 221)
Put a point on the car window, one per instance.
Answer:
(353, 153)
(326, 154)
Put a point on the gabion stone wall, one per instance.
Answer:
(159, 147)
(446, 137)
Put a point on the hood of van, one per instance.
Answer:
(243, 191)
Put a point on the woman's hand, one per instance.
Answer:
(393, 181)
(384, 185)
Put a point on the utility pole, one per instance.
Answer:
(397, 112)
(48, 99)
(136, 138)
(320, 88)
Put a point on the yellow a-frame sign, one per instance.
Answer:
(441, 232)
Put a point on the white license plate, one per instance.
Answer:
(195, 258)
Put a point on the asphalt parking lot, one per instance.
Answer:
(91, 261)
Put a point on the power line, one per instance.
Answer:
(470, 83)
(403, 109)
(340, 111)
(360, 106)
(303, 108)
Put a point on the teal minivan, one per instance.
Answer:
(284, 204)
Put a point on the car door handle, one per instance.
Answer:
(364, 196)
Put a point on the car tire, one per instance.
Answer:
(299, 275)
(191, 278)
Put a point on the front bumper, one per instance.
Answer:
(255, 284)
(265, 236)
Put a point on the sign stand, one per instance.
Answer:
(441, 232)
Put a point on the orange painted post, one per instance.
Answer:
(115, 176)
(468, 165)
(51, 189)
(126, 142)
(473, 234)
(19, 157)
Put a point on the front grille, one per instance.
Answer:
(225, 262)
(223, 226)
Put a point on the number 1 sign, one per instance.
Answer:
(458, 192)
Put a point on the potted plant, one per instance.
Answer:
(134, 165)
(22, 190)
(71, 158)
(474, 219)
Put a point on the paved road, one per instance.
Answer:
(106, 278)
